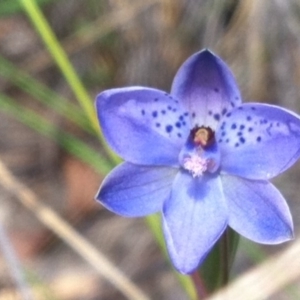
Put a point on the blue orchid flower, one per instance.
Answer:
(201, 157)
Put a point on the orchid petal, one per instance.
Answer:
(207, 88)
(257, 210)
(143, 125)
(194, 217)
(258, 141)
(133, 191)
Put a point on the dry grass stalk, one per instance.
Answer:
(267, 279)
(62, 229)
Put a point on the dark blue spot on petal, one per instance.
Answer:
(253, 108)
(249, 118)
(236, 144)
(233, 126)
(242, 127)
(228, 115)
(263, 121)
(157, 124)
(239, 133)
(250, 129)
(181, 118)
(216, 90)
(143, 112)
(227, 141)
(154, 114)
(258, 139)
(179, 135)
(210, 112)
(223, 133)
(193, 115)
(169, 128)
(163, 112)
(177, 124)
(186, 114)
(224, 111)
(217, 117)
(169, 107)
(232, 104)
(156, 99)
(242, 140)
(240, 108)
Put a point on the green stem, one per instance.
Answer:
(224, 244)
(200, 288)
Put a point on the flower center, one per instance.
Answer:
(202, 136)
(195, 164)
(200, 153)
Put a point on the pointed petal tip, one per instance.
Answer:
(205, 80)
(186, 266)
(206, 54)
(290, 235)
(186, 271)
(207, 51)
(96, 197)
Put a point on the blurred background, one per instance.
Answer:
(53, 159)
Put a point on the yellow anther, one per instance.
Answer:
(203, 136)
